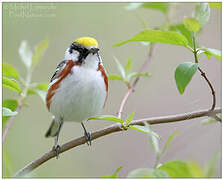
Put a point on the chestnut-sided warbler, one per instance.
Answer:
(78, 88)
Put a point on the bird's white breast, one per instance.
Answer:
(80, 95)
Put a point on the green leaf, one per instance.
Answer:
(129, 118)
(40, 90)
(215, 5)
(40, 93)
(10, 104)
(144, 130)
(154, 141)
(211, 52)
(128, 66)
(210, 120)
(195, 170)
(184, 74)
(176, 169)
(107, 118)
(9, 71)
(210, 167)
(8, 112)
(202, 12)
(169, 140)
(147, 173)
(11, 84)
(25, 54)
(136, 74)
(158, 36)
(120, 67)
(40, 49)
(184, 31)
(115, 175)
(42, 86)
(162, 6)
(192, 24)
(114, 77)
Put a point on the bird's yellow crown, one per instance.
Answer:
(87, 41)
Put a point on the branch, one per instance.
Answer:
(211, 87)
(131, 89)
(9, 124)
(115, 128)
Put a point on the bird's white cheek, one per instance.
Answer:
(71, 56)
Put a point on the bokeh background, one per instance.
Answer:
(111, 23)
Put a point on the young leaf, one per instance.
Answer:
(195, 170)
(184, 74)
(25, 54)
(10, 104)
(8, 112)
(147, 173)
(11, 84)
(40, 93)
(128, 66)
(114, 77)
(192, 24)
(176, 169)
(120, 67)
(42, 86)
(136, 74)
(202, 12)
(158, 36)
(211, 52)
(9, 71)
(115, 175)
(208, 121)
(129, 118)
(215, 5)
(184, 31)
(144, 130)
(169, 141)
(162, 6)
(107, 118)
(153, 140)
(40, 49)
(210, 167)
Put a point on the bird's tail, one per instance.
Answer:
(53, 129)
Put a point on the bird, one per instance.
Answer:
(78, 89)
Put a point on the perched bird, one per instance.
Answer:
(78, 88)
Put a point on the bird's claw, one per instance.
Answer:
(88, 137)
(57, 149)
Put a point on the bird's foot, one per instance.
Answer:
(88, 137)
(57, 149)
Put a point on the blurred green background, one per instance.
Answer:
(110, 23)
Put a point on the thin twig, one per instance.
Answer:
(203, 73)
(131, 89)
(111, 129)
(211, 87)
(9, 124)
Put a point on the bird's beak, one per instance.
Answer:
(94, 50)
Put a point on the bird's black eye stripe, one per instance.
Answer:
(82, 50)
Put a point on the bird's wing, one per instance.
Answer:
(58, 70)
